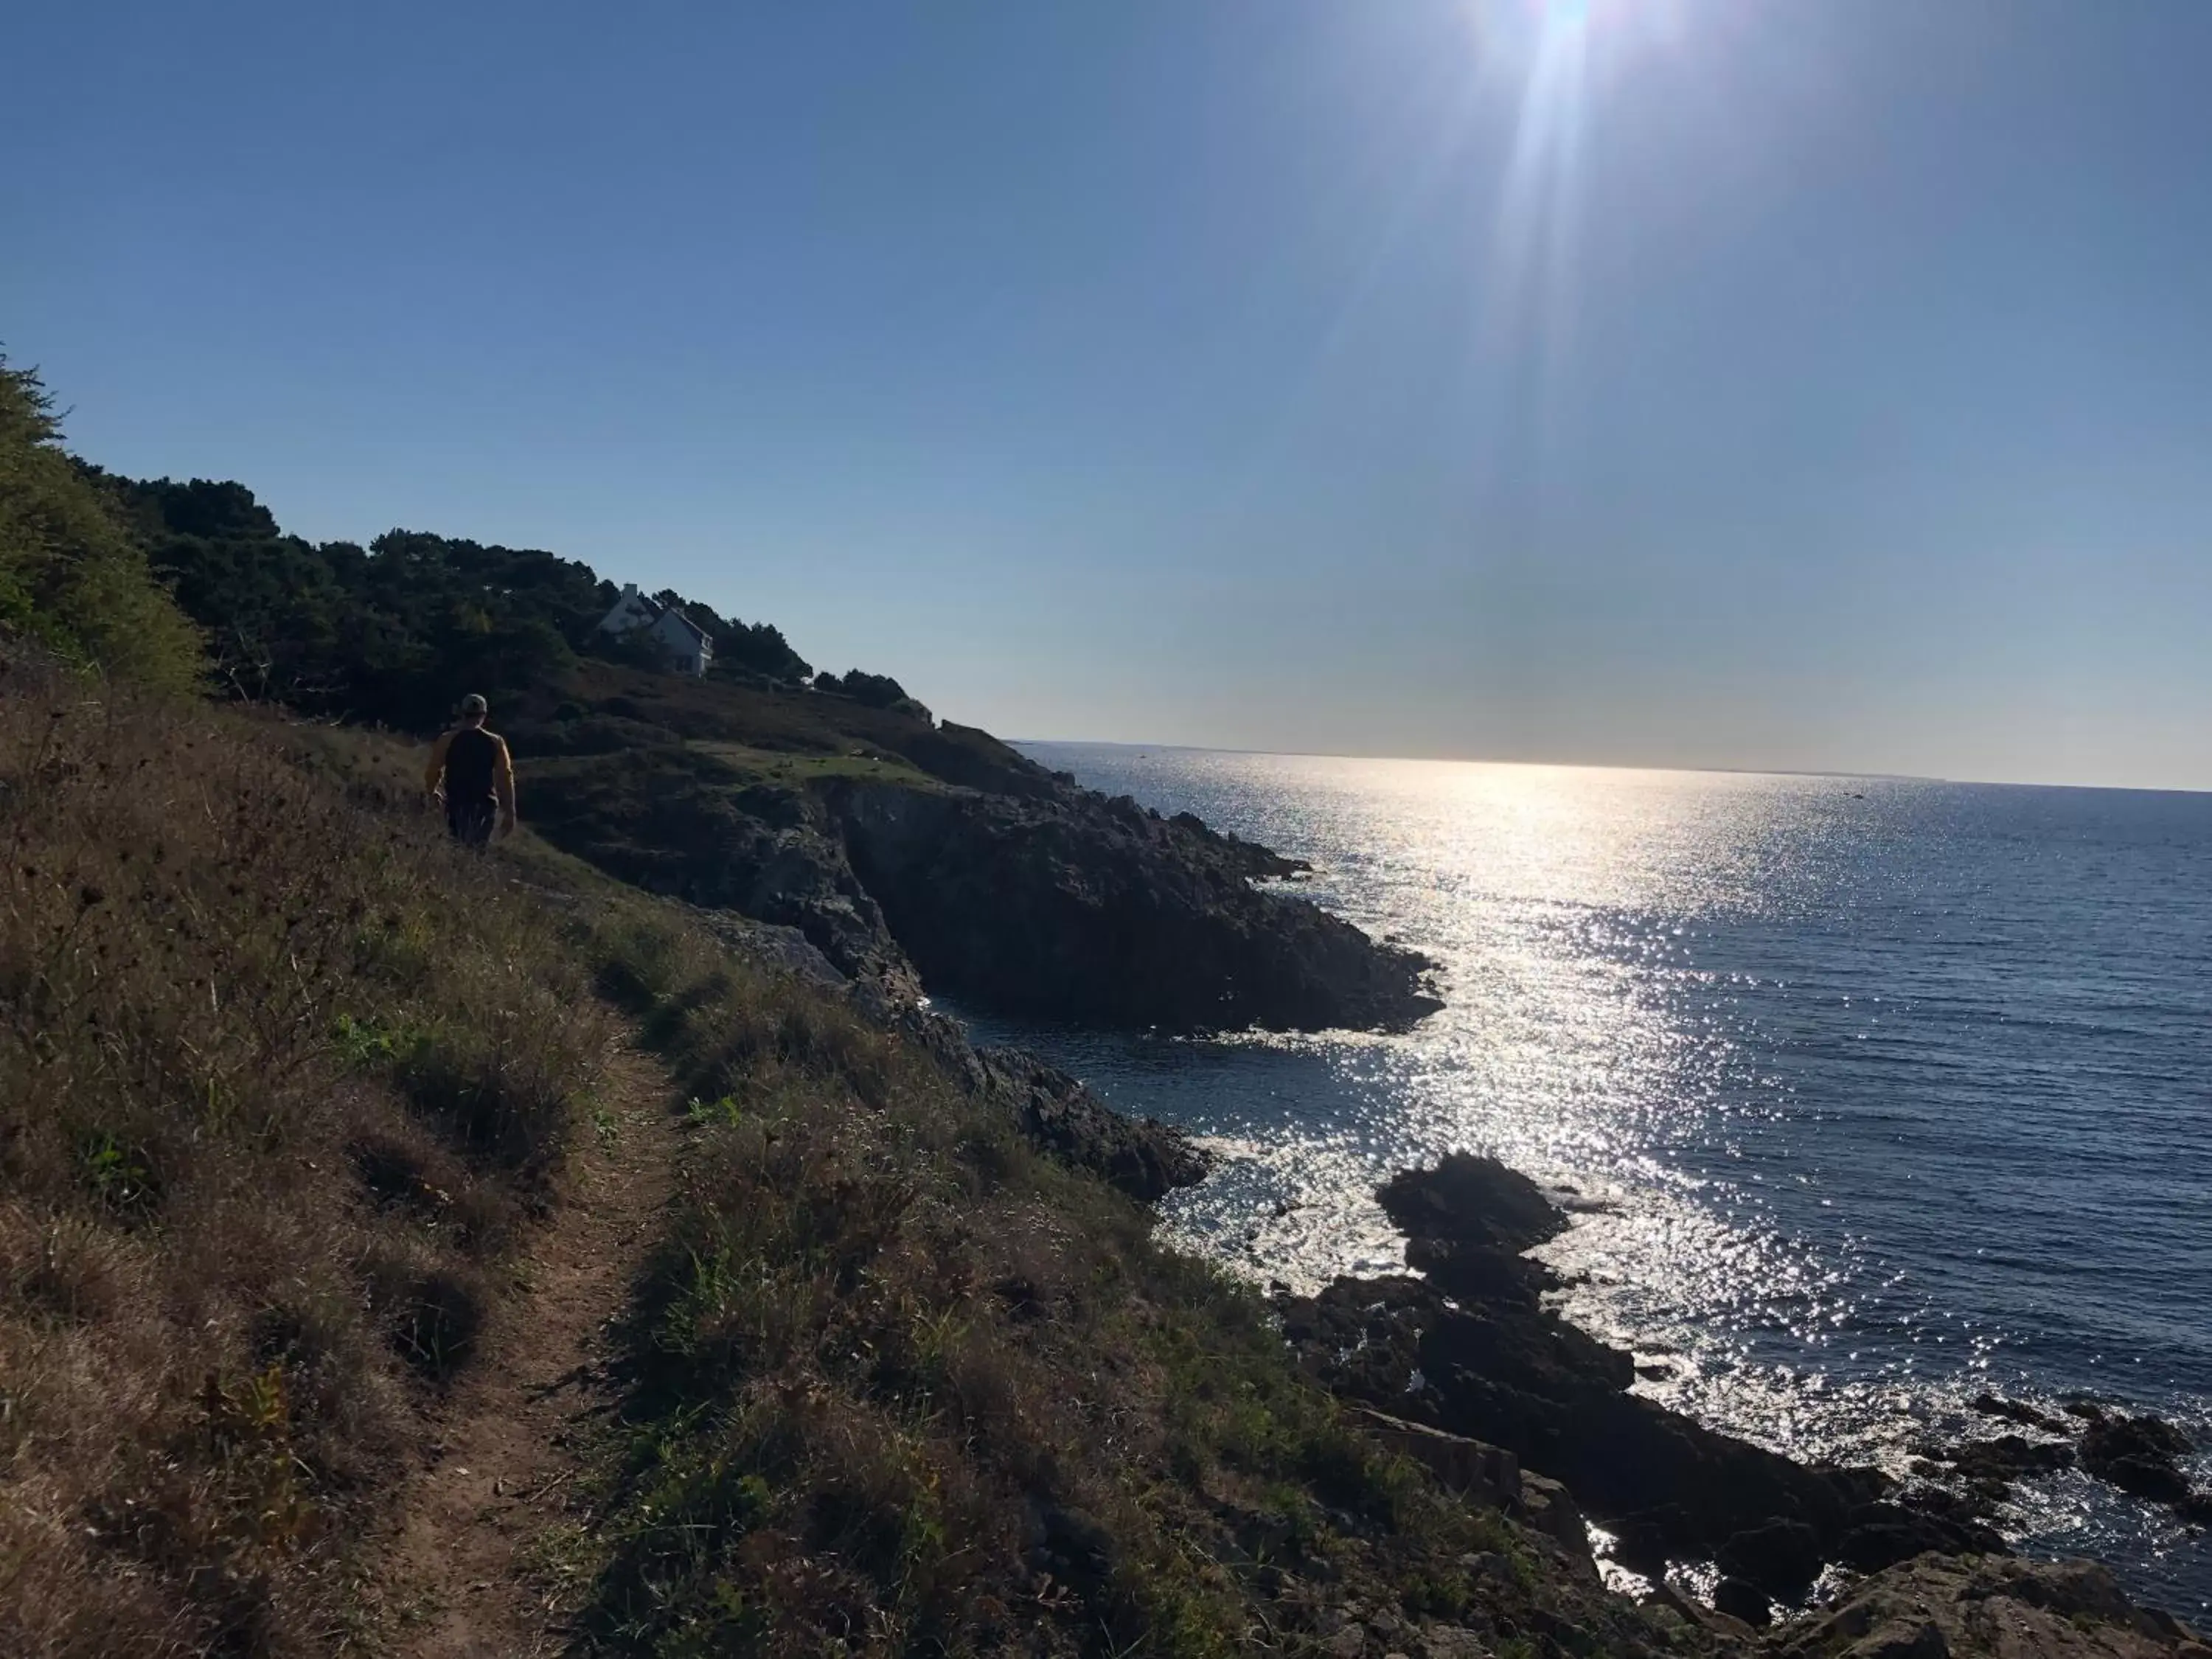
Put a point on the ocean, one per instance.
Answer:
(1870, 1094)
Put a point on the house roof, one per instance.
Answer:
(654, 613)
(697, 632)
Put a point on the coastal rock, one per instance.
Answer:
(1077, 907)
(2016, 1411)
(1782, 1558)
(892, 843)
(1985, 1608)
(1546, 1507)
(1472, 1350)
(682, 830)
(1994, 1463)
(1470, 1201)
(1882, 1533)
(1741, 1599)
(2138, 1454)
(1485, 1474)
(1141, 1157)
(1247, 858)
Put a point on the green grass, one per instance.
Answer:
(800, 770)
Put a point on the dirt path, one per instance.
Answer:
(474, 1572)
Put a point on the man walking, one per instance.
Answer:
(471, 772)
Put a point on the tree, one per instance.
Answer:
(70, 574)
(876, 691)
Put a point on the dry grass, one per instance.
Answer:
(899, 1385)
(280, 1076)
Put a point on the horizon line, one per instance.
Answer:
(1621, 765)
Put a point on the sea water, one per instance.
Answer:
(1870, 1094)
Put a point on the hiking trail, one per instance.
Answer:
(471, 1573)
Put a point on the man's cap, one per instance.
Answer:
(473, 704)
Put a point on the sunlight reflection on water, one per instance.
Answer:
(1857, 1086)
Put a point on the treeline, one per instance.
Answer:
(386, 632)
(179, 582)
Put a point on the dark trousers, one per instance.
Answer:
(470, 821)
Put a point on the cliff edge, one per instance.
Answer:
(935, 857)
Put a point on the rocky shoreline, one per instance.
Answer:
(1472, 1367)
(1461, 1367)
(977, 874)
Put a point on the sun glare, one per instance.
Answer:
(1553, 61)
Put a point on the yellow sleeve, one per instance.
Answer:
(503, 776)
(435, 773)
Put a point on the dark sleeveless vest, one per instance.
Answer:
(471, 759)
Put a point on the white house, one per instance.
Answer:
(686, 642)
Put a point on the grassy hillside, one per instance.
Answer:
(897, 1384)
(288, 1089)
(281, 1082)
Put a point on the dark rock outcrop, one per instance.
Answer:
(1010, 888)
(2014, 1411)
(1985, 1470)
(1247, 858)
(1471, 1349)
(1073, 907)
(1936, 1607)
(1741, 1599)
(2139, 1453)
(1141, 1157)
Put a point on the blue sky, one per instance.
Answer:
(1712, 382)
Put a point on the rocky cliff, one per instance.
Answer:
(1071, 906)
(937, 857)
